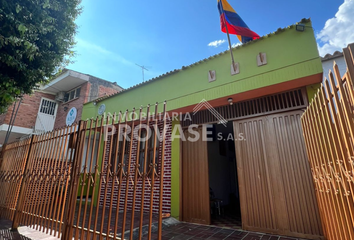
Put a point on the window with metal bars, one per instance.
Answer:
(151, 147)
(48, 107)
(116, 157)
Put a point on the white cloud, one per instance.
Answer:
(235, 45)
(216, 43)
(338, 32)
(102, 51)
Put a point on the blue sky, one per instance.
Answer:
(113, 35)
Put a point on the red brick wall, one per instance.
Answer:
(2, 118)
(60, 120)
(27, 113)
(103, 91)
(166, 182)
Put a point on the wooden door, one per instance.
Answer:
(195, 180)
(276, 189)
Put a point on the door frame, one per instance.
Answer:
(55, 111)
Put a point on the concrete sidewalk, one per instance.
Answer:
(23, 233)
(6, 234)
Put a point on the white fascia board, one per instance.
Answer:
(59, 78)
(15, 129)
(71, 73)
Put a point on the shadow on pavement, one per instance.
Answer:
(7, 234)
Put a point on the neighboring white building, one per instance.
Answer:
(327, 63)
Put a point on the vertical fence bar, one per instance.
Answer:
(136, 173)
(120, 169)
(108, 177)
(162, 166)
(349, 59)
(348, 114)
(32, 178)
(66, 171)
(113, 171)
(100, 179)
(153, 170)
(127, 176)
(83, 176)
(96, 177)
(74, 178)
(88, 179)
(39, 174)
(79, 181)
(20, 199)
(43, 192)
(12, 186)
(11, 167)
(144, 173)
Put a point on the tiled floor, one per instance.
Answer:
(227, 221)
(181, 231)
(128, 219)
(186, 231)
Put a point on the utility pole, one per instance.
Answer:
(12, 121)
(143, 68)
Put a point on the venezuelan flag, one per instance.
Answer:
(234, 22)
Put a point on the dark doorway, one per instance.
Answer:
(223, 181)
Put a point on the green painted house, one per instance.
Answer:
(261, 183)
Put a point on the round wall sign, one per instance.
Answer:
(71, 117)
(101, 109)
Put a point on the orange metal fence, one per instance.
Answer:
(46, 182)
(328, 125)
(54, 182)
(11, 175)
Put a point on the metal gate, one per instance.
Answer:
(35, 179)
(58, 182)
(328, 126)
(275, 178)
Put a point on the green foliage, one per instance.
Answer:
(36, 41)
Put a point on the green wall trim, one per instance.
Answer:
(312, 90)
(290, 55)
(175, 173)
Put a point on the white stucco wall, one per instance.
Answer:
(328, 65)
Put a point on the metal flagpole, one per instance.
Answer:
(230, 46)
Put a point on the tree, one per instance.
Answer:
(36, 41)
